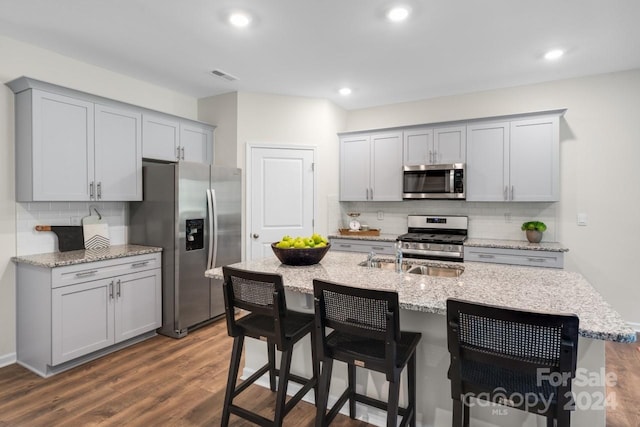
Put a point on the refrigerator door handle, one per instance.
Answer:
(213, 228)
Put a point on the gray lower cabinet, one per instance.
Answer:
(69, 315)
(360, 245)
(532, 258)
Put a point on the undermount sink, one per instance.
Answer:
(431, 270)
(385, 265)
(427, 270)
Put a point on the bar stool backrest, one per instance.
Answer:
(357, 311)
(542, 346)
(257, 293)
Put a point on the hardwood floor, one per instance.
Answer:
(168, 382)
(623, 360)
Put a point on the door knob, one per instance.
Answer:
(255, 235)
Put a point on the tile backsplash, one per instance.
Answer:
(486, 220)
(30, 214)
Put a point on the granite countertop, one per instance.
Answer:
(59, 259)
(516, 244)
(380, 238)
(540, 289)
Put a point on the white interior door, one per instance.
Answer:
(281, 193)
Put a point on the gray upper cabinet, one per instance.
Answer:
(371, 167)
(54, 147)
(118, 154)
(429, 146)
(74, 146)
(174, 140)
(514, 160)
(196, 143)
(68, 149)
(160, 138)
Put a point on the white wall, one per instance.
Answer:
(20, 59)
(288, 120)
(599, 149)
(223, 111)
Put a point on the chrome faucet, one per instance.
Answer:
(398, 257)
(370, 259)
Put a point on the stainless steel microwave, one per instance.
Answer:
(434, 181)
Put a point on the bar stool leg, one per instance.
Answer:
(351, 372)
(392, 404)
(411, 385)
(271, 355)
(234, 367)
(283, 382)
(323, 392)
(316, 366)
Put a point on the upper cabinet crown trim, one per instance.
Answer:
(24, 83)
(558, 112)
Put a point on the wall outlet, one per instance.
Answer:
(380, 215)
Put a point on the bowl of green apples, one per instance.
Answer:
(301, 250)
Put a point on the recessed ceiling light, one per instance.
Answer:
(239, 19)
(553, 54)
(398, 14)
(345, 91)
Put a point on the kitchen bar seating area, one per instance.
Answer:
(422, 301)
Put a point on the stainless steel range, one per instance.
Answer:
(435, 237)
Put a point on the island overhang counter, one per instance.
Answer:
(423, 300)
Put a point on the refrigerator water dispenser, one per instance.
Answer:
(195, 234)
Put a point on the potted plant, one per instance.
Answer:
(534, 230)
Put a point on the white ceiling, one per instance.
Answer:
(313, 47)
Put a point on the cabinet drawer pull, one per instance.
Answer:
(486, 256)
(139, 264)
(377, 248)
(345, 246)
(86, 273)
(536, 259)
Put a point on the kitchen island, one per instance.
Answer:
(423, 301)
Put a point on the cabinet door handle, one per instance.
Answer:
(430, 156)
(111, 290)
(371, 194)
(139, 264)
(485, 256)
(118, 288)
(182, 150)
(86, 273)
(178, 153)
(512, 192)
(506, 192)
(99, 187)
(91, 190)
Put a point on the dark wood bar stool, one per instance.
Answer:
(365, 333)
(521, 359)
(262, 295)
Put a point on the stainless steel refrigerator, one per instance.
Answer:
(192, 211)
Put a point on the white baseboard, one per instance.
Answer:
(635, 326)
(7, 359)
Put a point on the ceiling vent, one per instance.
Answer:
(221, 74)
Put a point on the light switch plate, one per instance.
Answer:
(380, 215)
(582, 219)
